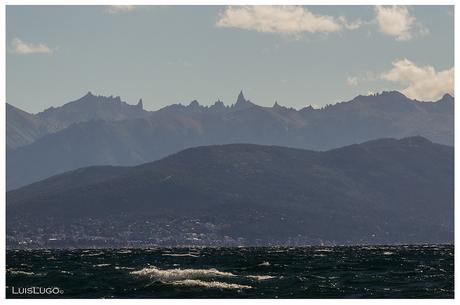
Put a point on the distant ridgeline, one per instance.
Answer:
(96, 130)
(383, 191)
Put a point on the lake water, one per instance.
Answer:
(272, 272)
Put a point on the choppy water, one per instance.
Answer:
(310, 272)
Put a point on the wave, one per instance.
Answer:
(180, 254)
(209, 284)
(169, 275)
(324, 250)
(123, 268)
(369, 248)
(25, 273)
(102, 265)
(260, 277)
(92, 254)
(264, 264)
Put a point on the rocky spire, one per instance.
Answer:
(140, 104)
(194, 106)
(217, 106)
(87, 96)
(219, 103)
(242, 102)
(241, 98)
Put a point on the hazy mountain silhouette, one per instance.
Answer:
(157, 134)
(382, 191)
(91, 107)
(24, 128)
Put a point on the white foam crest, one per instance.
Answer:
(325, 250)
(102, 265)
(178, 274)
(180, 254)
(209, 284)
(93, 254)
(123, 268)
(25, 273)
(260, 277)
(265, 264)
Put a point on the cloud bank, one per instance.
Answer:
(115, 9)
(281, 19)
(352, 80)
(20, 47)
(396, 21)
(421, 82)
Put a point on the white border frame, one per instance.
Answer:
(204, 301)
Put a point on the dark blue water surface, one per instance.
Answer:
(307, 272)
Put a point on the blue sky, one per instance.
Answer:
(298, 56)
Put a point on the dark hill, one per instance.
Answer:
(383, 191)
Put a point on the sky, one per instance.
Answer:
(295, 55)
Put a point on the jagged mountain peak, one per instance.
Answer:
(194, 104)
(90, 97)
(92, 107)
(140, 104)
(307, 108)
(242, 102)
(241, 98)
(384, 96)
(218, 105)
(392, 93)
(89, 94)
(277, 106)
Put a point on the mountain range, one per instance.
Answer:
(24, 128)
(379, 192)
(96, 130)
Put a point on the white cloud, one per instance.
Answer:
(396, 21)
(352, 80)
(369, 76)
(353, 25)
(281, 19)
(20, 47)
(115, 9)
(421, 82)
